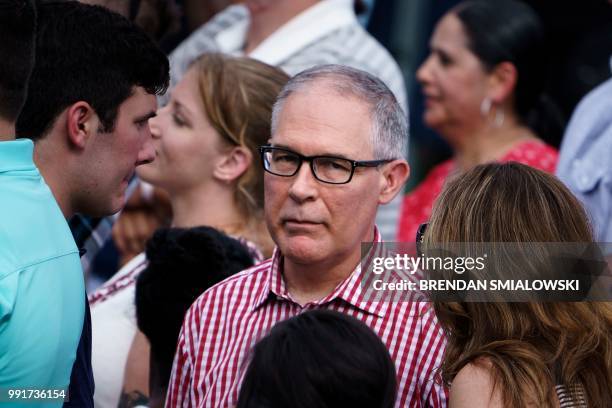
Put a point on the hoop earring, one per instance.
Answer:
(485, 109)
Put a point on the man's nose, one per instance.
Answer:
(304, 185)
(147, 152)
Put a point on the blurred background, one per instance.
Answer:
(579, 46)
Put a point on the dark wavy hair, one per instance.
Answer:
(87, 53)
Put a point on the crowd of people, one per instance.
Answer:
(262, 165)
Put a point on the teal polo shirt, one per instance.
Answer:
(41, 281)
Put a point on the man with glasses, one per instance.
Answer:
(336, 154)
(327, 169)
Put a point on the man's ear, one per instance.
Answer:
(233, 164)
(502, 82)
(393, 179)
(81, 123)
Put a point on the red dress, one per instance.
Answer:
(417, 205)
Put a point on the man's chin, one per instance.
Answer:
(117, 205)
(302, 249)
(99, 212)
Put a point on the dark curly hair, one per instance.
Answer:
(183, 263)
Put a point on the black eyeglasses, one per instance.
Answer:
(327, 169)
(420, 235)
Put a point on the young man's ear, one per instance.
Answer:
(233, 164)
(82, 122)
(393, 179)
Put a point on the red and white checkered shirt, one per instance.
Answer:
(225, 322)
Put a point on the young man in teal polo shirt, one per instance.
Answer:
(41, 282)
(91, 93)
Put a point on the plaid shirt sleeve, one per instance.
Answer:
(90, 235)
(179, 384)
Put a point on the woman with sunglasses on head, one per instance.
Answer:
(206, 142)
(520, 354)
(482, 84)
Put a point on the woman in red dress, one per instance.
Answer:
(482, 83)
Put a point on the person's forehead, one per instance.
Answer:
(140, 102)
(449, 32)
(187, 90)
(320, 120)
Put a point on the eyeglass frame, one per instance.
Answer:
(310, 159)
(420, 237)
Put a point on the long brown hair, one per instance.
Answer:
(238, 94)
(531, 347)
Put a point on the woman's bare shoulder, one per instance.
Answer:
(473, 387)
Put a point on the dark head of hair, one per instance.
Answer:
(183, 263)
(319, 359)
(87, 53)
(510, 31)
(532, 346)
(17, 31)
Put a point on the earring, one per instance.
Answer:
(485, 109)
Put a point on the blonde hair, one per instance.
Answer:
(531, 346)
(238, 95)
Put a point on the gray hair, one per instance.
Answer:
(389, 123)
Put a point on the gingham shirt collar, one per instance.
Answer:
(349, 290)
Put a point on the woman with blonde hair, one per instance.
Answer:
(521, 354)
(206, 158)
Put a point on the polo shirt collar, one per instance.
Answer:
(306, 28)
(17, 155)
(349, 290)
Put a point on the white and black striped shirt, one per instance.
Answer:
(571, 397)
